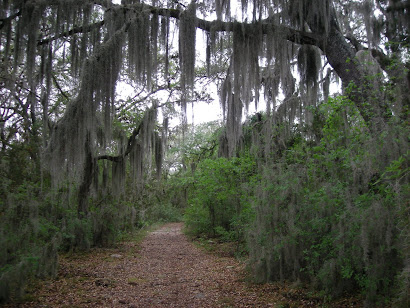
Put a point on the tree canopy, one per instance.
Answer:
(63, 116)
(97, 42)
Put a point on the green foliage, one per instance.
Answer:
(29, 240)
(190, 147)
(36, 223)
(332, 212)
(157, 201)
(218, 204)
(161, 202)
(164, 212)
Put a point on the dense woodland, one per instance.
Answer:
(313, 189)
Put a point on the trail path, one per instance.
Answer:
(165, 270)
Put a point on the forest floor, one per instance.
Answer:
(165, 269)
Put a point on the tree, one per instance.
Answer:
(100, 34)
(62, 60)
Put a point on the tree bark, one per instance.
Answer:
(88, 176)
(358, 87)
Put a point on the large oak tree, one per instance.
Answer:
(64, 63)
(93, 43)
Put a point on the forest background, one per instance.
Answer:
(313, 190)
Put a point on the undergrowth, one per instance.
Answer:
(324, 204)
(38, 224)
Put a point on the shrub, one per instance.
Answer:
(218, 205)
(330, 212)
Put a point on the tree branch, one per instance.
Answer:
(266, 26)
(59, 87)
(140, 100)
(130, 144)
(6, 20)
(355, 42)
(75, 30)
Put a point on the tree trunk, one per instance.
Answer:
(88, 175)
(358, 87)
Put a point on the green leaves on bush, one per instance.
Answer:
(219, 203)
(330, 209)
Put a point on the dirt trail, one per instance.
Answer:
(165, 270)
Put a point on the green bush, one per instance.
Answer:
(197, 218)
(35, 224)
(164, 212)
(330, 212)
(29, 240)
(217, 203)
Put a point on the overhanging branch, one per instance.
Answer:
(266, 26)
(74, 30)
(130, 145)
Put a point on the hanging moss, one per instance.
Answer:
(314, 13)
(309, 64)
(242, 84)
(145, 147)
(99, 75)
(187, 41)
(118, 178)
(222, 7)
(154, 45)
(139, 57)
(164, 40)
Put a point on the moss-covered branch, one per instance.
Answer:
(75, 30)
(130, 144)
